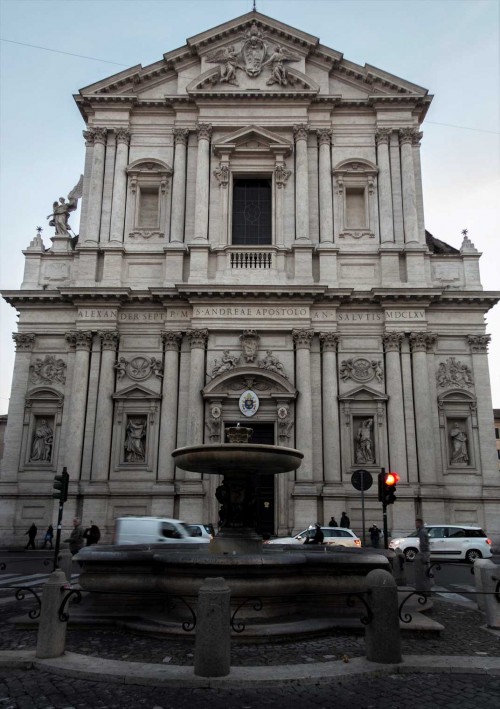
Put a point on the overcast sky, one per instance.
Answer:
(450, 47)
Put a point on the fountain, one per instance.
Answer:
(271, 585)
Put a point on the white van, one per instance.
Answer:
(154, 530)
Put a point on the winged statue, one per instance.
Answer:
(61, 209)
(278, 59)
(227, 59)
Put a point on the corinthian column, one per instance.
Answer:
(98, 136)
(331, 428)
(82, 341)
(202, 181)
(410, 217)
(168, 426)
(181, 136)
(302, 340)
(419, 342)
(13, 434)
(301, 182)
(104, 411)
(395, 406)
(384, 185)
(198, 342)
(479, 350)
(120, 185)
(325, 186)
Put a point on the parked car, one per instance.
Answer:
(333, 536)
(447, 541)
(154, 530)
(201, 530)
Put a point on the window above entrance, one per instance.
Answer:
(252, 211)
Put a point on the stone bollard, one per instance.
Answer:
(422, 580)
(51, 638)
(490, 576)
(65, 563)
(212, 653)
(398, 568)
(480, 599)
(382, 636)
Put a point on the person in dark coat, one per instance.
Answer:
(92, 534)
(49, 536)
(345, 521)
(317, 537)
(374, 535)
(332, 522)
(32, 532)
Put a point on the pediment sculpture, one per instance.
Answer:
(251, 57)
(453, 373)
(361, 370)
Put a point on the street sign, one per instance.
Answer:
(361, 480)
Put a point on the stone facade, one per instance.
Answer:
(252, 247)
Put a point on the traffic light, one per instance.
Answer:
(387, 487)
(61, 483)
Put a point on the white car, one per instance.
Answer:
(447, 541)
(333, 536)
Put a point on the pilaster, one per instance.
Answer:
(419, 342)
(202, 182)
(300, 133)
(99, 137)
(194, 436)
(325, 186)
(479, 351)
(302, 340)
(181, 136)
(104, 417)
(395, 406)
(331, 424)
(170, 396)
(120, 186)
(81, 340)
(382, 137)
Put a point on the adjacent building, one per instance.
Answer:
(252, 248)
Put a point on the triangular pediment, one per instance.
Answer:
(252, 139)
(363, 393)
(136, 392)
(252, 55)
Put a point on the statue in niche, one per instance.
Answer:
(41, 448)
(227, 362)
(134, 441)
(61, 210)
(279, 73)
(364, 442)
(459, 452)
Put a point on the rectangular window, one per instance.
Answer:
(355, 208)
(497, 433)
(252, 212)
(148, 208)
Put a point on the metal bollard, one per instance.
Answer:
(51, 638)
(490, 577)
(382, 635)
(212, 654)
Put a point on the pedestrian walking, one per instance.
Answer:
(48, 537)
(345, 521)
(92, 534)
(32, 532)
(332, 522)
(374, 535)
(76, 540)
(422, 580)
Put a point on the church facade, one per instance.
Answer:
(252, 249)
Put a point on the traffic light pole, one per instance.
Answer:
(386, 533)
(58, 535)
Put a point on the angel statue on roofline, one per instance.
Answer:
(279, 73)
(227, 59)
(60, 210)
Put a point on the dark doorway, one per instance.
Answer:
(264, 494)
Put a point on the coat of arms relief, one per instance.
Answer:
(253, 55)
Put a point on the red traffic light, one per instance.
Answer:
(391, 479)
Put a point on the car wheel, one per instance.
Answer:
(472, 555)
(410, 554)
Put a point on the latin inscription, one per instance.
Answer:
(250, 312)
(134, 316)
(393, 315)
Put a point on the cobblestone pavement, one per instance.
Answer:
(462, 635)
(34, 689)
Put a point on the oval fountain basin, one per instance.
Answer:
(221, 458)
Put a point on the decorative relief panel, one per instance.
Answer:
(249, 344)
(454, 374)
(361, 370)
(48, 371)
(139, 368)
(251, 56)
(226, 363)
(285, 424)
(272, 363)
